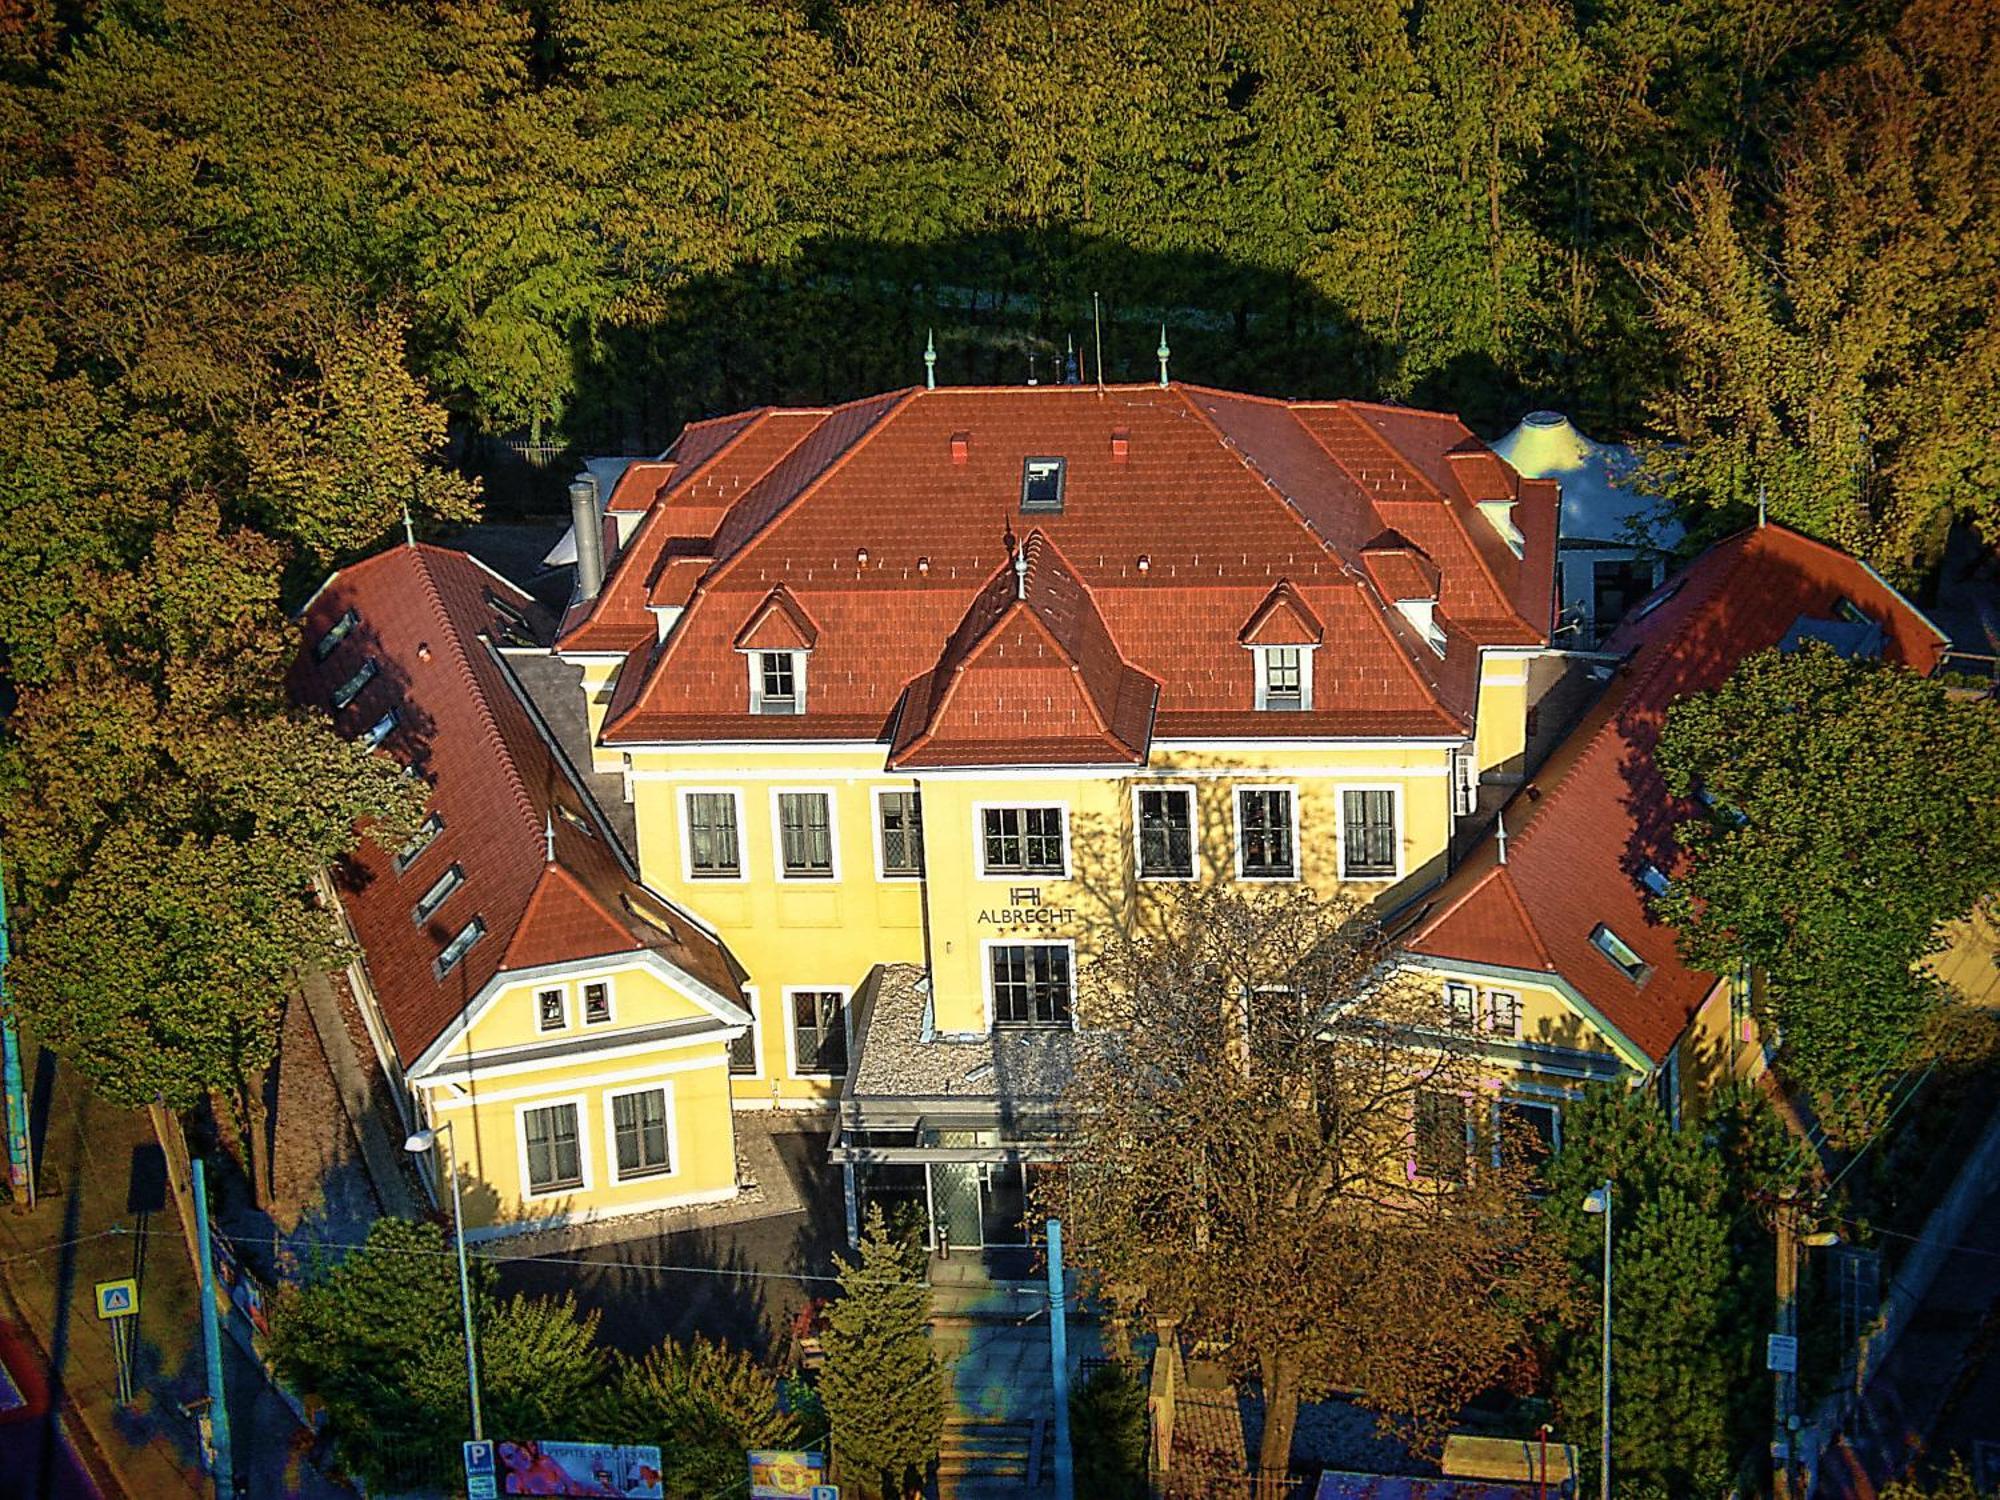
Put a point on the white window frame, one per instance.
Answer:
(1395, 790)
(1015, 877)
(688, 874)
(1236, 829)
(1468, 1014)
(846, 994)
(610, 1001)
(581, 1104)
(1487, 1012)
(756, 1035)
(551, 989)
(882, 870)
(1262, 659)
(1522, 1101)
(832, 835)
(1187, 790)
(664, 1086)
(756, 660)
(986, 947)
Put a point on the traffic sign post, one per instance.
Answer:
(118, 1304)
(482, 1482)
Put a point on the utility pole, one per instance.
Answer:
(224, 1471)
(1059, 1365)
(1785, 1392)
(20, 1148)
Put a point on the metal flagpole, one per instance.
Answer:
(20, 1152)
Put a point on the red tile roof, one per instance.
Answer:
(1582, 831)
(1184, 509)
(779, 624)
(1283, 619)
(1031, 662)
(429, 619)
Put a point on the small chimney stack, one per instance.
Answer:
(588, 526)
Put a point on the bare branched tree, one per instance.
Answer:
(1294, 1153)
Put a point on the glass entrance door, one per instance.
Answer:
(1003, 1204)
(955, 1204)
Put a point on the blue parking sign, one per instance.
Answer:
(480, 1481)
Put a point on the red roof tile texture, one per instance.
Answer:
(1583, 830)
(431, 619)
(1183, 509)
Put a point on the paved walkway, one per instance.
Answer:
(111, 1216)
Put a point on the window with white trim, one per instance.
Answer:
(1368, 834)
(777, 682)
(819, 1033)
(1503, 1014)
(1613, 947)
(551, 1008)
(425, 836)
(460, 945)
(1166, 833)
(439, 893)
(1042, 485)
(1264, 833)
(805, 835)
(743, 1049)
(1442, 1136)
(335, 634)
(1031, 984)
(555, 1156)
(349, 690)
(639, 1133)
(1530, 1123)
(596, 1002)
(1284, 677)
(901, 815)
(714, 846)
(1461, 1003)
(1022, 840)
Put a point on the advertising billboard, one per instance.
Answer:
(624, 1472)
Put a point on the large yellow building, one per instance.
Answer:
(910, 698)
(523, 986)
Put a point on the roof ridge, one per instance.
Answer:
(1249, 462)
(495, 740)
(1513, 895)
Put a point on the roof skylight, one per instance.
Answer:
(1042, 485)
(349, 690)
(457, 948)
(1613, 947)
(336, 633)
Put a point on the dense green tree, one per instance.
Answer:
(882, 1385)
(1857, 810)
(706, 1404)
(1111, 1430)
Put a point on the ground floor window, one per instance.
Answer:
(819, 1033)
(743, 1052)
(639, 1128)
(1031, 984)
(1440, 1137)
(1540, 1124)
(555, 1156)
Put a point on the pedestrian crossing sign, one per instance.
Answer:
(117, 1299)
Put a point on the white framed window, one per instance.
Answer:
(1540, 1119)
(802, 829)
(551, 1009)
(1613, 947)
(597, 1002)
(1031, 984)
(425, 836)
(439, 893)
(1503, 1014)
(555, 1158)
(1464, 783)
(1042, 485)
(1267, 833)
(777, 682)
(459, 946)
(1371, 842)
(1461, 1004)
(818, 1032)
(1284, 678)
(640, 1125)
(1163, 819)
(899, 833)
(712, 834)
(1023, 840)
(743, 1049)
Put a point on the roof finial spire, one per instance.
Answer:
(1021, 573)
(409, 529)
(1163, 351)
(1072, 374)
(1760, 505)
(549, 836)
(1500, 833)
(930, 360)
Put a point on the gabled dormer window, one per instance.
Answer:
(1284, 678)
(777, 682)
(336, 633)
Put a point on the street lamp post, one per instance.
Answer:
(417, 1145)
(1598, 1201)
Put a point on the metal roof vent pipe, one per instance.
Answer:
(588, 526)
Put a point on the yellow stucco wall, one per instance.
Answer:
(486, 1112)
(1502, 735)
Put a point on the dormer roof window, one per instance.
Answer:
(336, 633)
(1284, 678)
(777, 682)
(1042, 486)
